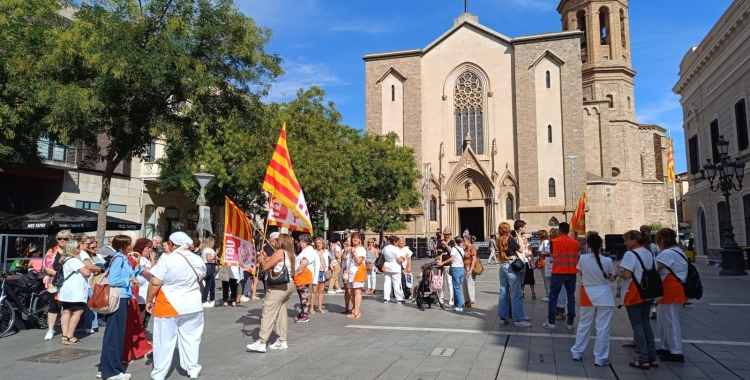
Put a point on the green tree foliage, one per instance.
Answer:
(131, 70)
(335, 164)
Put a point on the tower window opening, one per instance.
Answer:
(552, 190)
(611, 101)
(630, 107)
(604, 26)
(581, 18)
(549, 134)
(622, 28)
(393, 93)
(548, 80)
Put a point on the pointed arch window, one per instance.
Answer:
(433, 209)
(549, 134)
(548, 81)
(553, 222)
(509, 207)
(552, 189)
(469, 98)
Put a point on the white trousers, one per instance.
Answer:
(183, 332)
(669, 328)
(562, 299)
(447, 283)
(469, 288)
(372, 279)
(493, 256)
(603, 316)
(392, 279)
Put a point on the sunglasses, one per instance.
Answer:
(63, 239)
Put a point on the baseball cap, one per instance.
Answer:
(274, 235)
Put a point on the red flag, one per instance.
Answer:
(239, 249)
(578, 222)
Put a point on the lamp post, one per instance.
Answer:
(382, 210)
(728, 169)
(204, 222)
(416, 246)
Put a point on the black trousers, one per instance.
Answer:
(145, 316)
(113, 343)
(209, 292)
(229, 289)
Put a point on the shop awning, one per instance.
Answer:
(59, 218)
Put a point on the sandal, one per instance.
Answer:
(533, 296)
(354, 316)
(654, 364)
(321, 311)
(226, 304)
(312, 311)
(68, 341)
(629, 343)
(639, 365)
(346, 311)
(234, 304)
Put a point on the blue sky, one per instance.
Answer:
(322, 43)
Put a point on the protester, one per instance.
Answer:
(335, 250)
(307, 263)
(405, 266)
(357, 274)
(470, 260)
(444, 248)
(51, 265)
(345, 276)
(146, 259)
(673, 268)
(73, 293)
(90, 321)
(565, 256)
(324, 265)
(646, 231)
(208, 254)
(229, 275)
(276, 300)
(456, 261)
(638, 309)
(136, 343)
(597, 302)
(392, 275)
(528, 271)
(157, 245)
(121, 275)
(372, 255)
(175, 301)
(510, 281)
(544, 250)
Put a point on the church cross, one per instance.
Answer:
(466, 6)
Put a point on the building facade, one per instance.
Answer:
(519, 128)
(713, 87)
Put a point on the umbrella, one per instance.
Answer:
(59, 218)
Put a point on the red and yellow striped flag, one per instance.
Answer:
(578, 222)
(282, 184)
(239, 249)
(670, 162)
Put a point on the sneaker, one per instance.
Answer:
(570, 326)
(50, 334)
(278, 346)
(98, 375)
(504, 321)
(677, 358)
(577, 358)
(459, 309)
(549, 326)
(91, 331)
(653, 314)
(122, 376)
(602, 364)
(339, 291)
(402, 301)
(385, 301)
(526, 319)
(522, 324)
(299, 319)
(545, 299)
(257, 346)
(662, 351)
(331, 292)
(208, 304)
(195, 376)
(244, 299)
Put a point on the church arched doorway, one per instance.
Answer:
(471, 219)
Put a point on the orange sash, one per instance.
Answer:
(585, 301)
(673, 291)
(633, 296)
(304, 278)
(162, 307)
(361, 275)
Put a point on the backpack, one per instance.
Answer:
(650, 286)
(59, 278)
(692, 284)
(436, 281)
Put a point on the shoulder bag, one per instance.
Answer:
(650, 287)
(380, 261)
(280, 278)
(478, 267)
(197, 278)
(105, 299)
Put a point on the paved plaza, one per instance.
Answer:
(394, 341)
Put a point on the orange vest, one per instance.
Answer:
(564, 255)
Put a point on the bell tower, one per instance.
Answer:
(605, 52)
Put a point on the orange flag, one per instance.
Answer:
(578, 222)
(670, 162)
(282, 184)
(239, 249)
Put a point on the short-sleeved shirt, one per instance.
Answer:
(675, 259)
(391, 254)
(209, 251)
(590, 271)
(470, 252)
(513, 248)
(544, 247)
(180, 292)
(83, 255)
(631, 263)
(407, 253)
(458, 254)
(75, 288)
(311, 255)
(142, 281)
(352, 266)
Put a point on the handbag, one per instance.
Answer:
(517, 265)
(380, 262)
(540, 263)
(105, 299)
(327, 276)
(276, 279)
(478, 268)
(224, 273)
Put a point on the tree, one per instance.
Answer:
(132, 70)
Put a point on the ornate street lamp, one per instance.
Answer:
(204, 221)
(728, 169)
(382, 212)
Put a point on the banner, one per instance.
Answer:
(670, 162)
(239, 249)
(282, 184)
(578, 222)
(280, 215)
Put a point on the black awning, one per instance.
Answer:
(61, 218)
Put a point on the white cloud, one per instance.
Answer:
(666, 112)
(367, 27)
(302, 75)
(550, 5)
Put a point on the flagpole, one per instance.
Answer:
(268, 217)
(674, 186)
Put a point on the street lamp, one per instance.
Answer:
(728, 169)
(204, 221)
(382, 212)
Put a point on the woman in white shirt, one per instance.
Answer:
(324, 258)
(597, 302)
(357, 274)
(372, 255)
(276, 299)
(392, 275)
(208, 254)
(456, 260)
(305, 275)
(74, 291)
(406, 282)
(544, 253)
(673, 268)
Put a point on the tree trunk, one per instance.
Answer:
(101, 225)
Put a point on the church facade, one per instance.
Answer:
(518, 128)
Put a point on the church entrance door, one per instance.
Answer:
(473, 219)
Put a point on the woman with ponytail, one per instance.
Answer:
(597, 301)
(673, 268)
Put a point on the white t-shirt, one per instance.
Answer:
(83, 255)
(391, 253)
(352, 266)
(458, 257)
(142, 281)
(407, 253)
(205, 254)
(311, 255)
(590, 271)
(326, 255)
(675, 259)
(181, 288)
(336, 249)
(631, 263)
(75, 288)
(544, 248)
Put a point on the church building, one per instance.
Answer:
(518, 128)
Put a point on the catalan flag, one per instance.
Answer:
(670, 162)
(239, 249)
(578, 222)
(282, 184)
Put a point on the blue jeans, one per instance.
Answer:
(558, 281)
(458, 278)
(89, 320)
(510, 284)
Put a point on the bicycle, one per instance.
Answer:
(25, 299)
